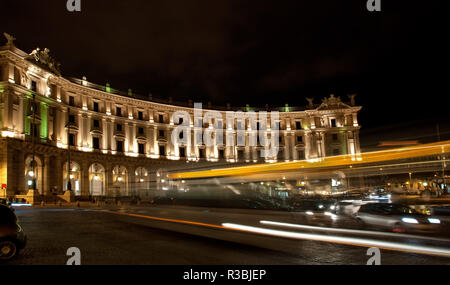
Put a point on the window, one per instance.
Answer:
(299, 139)
(280, 139)
(118, 111)
(71, 101)
(71, 139)
(34, 107)
(181, 135)
(72, 119)
(162, 150)
(240, 154)
(95, 106)
(221, 153)
(335, 137)
(280, 155)
(161, 133)
(119, 127)
(140, 115)
(241, 140)
(96, 124)
(34, 130)
(201, 153)
(239, 125)
(119, 146)
(33, 86)
(298, 125)
(141, 148)
(333, 123)
(301, 154)
(161, 118)
(140, 130)
(182, 152)
(336, 151)
(180, 121)
(96, 143)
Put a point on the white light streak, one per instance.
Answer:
(342, 240)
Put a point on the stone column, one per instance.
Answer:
(322, 145)
(155, 140)
(21, 186)
(57, 173)
(292, 149)
(108, 180)
(356, 142)
(47, 172)
(170, 146)
(85, 185)
(131, 181)
(106, 136)
(20, 123)
(308, 146)
(127, 137)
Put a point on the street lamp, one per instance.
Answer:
(32, 172)
(410, 184)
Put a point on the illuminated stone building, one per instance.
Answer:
(119, 141)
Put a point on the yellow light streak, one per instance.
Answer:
(430, 149)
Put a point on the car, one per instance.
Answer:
(316, 209)
(12, 236)
(378, 194)
(395, 217)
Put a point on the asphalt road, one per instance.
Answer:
(116, 237)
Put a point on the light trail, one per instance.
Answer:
(350, 231)
(325, 238)
(344, 240)
(431, 149)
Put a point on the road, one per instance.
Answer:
(135, 236)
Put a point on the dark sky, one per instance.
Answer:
(252, 52)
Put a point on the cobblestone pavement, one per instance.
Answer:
(105, 238)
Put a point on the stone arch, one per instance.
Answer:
(74, 176)
(162, 180)
(120, 181)
(34, 173)
(97, 179)
(142, 181)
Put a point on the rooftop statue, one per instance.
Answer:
(43, 57)
(10, 39)
(352, 99)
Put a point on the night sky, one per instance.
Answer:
(254, 52)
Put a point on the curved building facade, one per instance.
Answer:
(56, 129)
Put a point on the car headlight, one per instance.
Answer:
(434, 221)
(309, 213)
(410, 220)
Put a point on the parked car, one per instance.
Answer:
(12, 236)
(396, 217)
